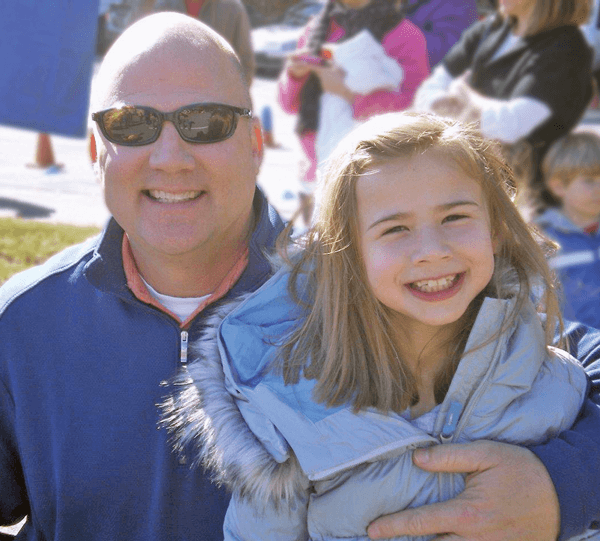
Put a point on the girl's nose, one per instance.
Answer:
(430, 245)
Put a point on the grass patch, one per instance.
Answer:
(25, 243)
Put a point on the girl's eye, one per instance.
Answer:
(395, 229)
(454, 217)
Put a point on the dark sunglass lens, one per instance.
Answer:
(206, 124)
(131, 125)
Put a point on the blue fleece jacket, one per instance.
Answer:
(81, 366)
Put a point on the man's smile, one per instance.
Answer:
(166, 197)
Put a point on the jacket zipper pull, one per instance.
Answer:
(183, 353)
(451, 421)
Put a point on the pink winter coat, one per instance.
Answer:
(405, 43)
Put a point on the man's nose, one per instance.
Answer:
(170, 153)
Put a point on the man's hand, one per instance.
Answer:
(508, 496)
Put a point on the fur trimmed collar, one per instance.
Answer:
(201, 414)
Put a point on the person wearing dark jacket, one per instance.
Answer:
(523, 74)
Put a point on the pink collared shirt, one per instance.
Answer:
(138, 287)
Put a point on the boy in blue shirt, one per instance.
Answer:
(572, 174)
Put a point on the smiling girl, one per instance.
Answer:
(404, 320)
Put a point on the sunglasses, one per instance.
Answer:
(136, 125)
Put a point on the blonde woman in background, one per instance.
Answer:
(523, 75)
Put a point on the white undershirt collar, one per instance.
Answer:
(182, 307)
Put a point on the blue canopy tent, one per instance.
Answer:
(47, 51)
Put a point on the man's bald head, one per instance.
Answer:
(168, 36)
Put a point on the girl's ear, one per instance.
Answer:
(496, 244)
(497, 240)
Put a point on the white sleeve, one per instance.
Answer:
(432, 88)
(592, 34)
(511, 120)
(504, 120)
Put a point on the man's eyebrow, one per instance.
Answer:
(404, 215)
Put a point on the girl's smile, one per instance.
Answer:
(437, 289)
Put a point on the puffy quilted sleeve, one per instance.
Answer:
(245, 521)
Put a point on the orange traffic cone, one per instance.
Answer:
(92, 148)
(266, 119)
(44, 156)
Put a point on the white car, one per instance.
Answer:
(273, 43)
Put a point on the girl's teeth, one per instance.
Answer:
(431, 286)
(166, 197)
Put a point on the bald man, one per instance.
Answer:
(88, 337)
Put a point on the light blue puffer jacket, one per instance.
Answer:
(301, 471)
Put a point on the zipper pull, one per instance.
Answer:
(451, 421)
(183, 353)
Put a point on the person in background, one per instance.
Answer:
(591, 31)
(228, 18)
(302, 82)
(116, 16)
(523, 75)
(88, 337)
(442, 23)
(571, 171)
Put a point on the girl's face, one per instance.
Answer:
(425, 239)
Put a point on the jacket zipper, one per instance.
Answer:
(451, 422)
(458, 414)
(183, 351)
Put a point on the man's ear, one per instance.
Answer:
(258, 147)
(557, 187)
(92, 147)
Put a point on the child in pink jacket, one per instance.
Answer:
(308, 73)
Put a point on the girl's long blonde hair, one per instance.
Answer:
(345, 342)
